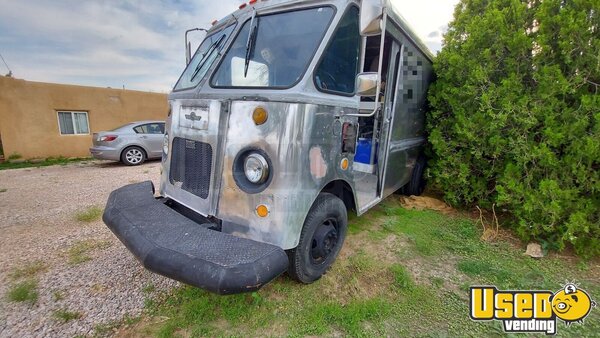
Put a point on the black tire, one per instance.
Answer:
(321, 239)
(416, 185)
(133, 156)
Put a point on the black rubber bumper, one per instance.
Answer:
(170, 244)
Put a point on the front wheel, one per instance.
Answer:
(321, 239)
(133, 156)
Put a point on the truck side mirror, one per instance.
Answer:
(371, 14)
(188, 47)
(366, 84)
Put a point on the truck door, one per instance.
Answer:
(393, 171)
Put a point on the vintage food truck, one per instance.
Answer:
(288, 115)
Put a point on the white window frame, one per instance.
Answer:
(73, 112)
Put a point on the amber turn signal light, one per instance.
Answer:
(260, 116)
(344, 164)
(262, 210)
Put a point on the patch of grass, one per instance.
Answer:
(90, 214)
(150, 305)
(46, 162)
(108, 329)
(361, 262)
(25, 291)
(321, 318)
(485, 269)
(28, 270)
(356, 224)
(3, 190)
(79, 252)
(377, 235)
(437, 282)
(14, 156)
(149, 288)
(402, 277)
(58, 295)
(65, 315)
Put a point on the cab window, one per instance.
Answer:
(206, 54)
(339, 65)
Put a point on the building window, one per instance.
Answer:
(73, 122)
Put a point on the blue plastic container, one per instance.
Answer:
(363, 150)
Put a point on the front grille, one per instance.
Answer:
(191, 163)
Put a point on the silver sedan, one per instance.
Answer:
(131, 144)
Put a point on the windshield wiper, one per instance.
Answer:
(251, 41)
(205, 56)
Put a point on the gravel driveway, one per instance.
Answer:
(38, 223)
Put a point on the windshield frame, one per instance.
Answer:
(208, 36)
(308, 63)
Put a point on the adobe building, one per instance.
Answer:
(40, 120)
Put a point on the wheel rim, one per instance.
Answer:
(134, 156)
(324, 241)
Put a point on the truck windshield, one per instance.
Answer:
(274, 50)
(205, 55)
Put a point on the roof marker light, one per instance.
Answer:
(252, 2)
(242, 6)
(214, 22)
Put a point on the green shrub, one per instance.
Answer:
(515, 116)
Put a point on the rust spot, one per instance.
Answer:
(318, 166)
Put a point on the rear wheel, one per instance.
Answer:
(416, 185)
(321, 239)
(133, 156)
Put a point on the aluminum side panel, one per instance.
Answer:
(305, 156)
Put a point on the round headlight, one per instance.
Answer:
(166, 144)
(256, 168)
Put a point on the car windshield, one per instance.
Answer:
(273, 51)
(205, 55)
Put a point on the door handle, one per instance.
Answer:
(143, 136)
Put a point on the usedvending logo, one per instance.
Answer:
(530, 310)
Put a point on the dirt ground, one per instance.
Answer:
(39, 226)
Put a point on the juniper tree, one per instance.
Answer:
(515, 116)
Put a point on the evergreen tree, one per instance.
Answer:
(515, 116)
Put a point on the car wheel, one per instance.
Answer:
(416, 185)
(133, 156)
(321, 239)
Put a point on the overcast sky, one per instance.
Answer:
(134, 43)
